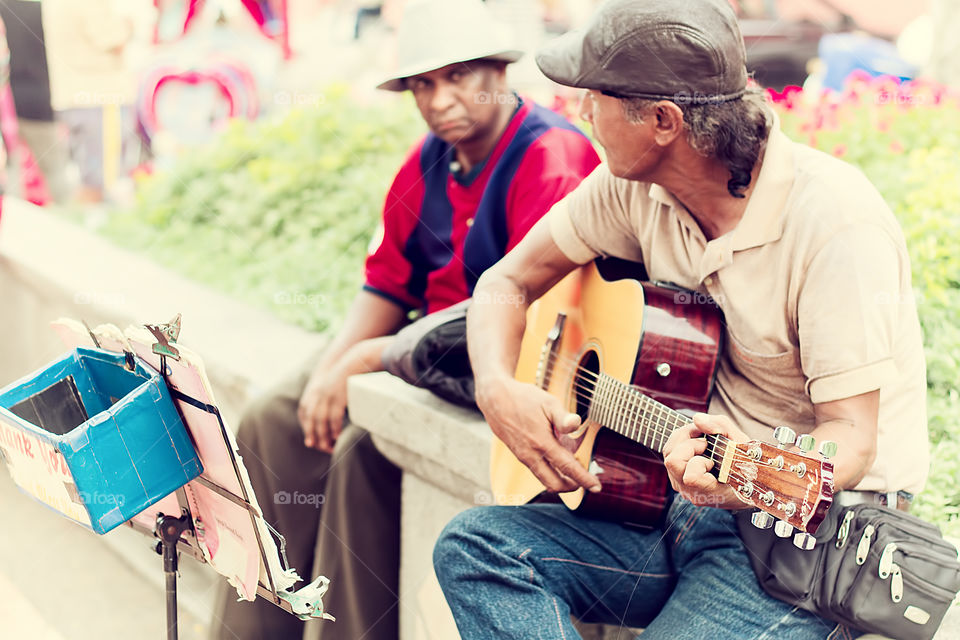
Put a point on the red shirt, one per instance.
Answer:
(441, 231)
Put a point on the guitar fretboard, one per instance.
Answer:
(635, 415)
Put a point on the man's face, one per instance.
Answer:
(460, 102)
(628, 146)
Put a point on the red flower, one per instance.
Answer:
(788, 97)
(840, 150)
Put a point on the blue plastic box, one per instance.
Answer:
(96, 436)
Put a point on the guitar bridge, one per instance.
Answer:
(549, 351)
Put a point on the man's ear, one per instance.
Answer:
(669, 122)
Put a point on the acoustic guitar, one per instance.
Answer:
(635, 360)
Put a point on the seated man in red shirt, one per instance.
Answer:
(490, 167)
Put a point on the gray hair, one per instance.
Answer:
(733, 132)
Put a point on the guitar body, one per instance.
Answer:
(662, 340)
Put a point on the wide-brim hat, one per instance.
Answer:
(437, 33)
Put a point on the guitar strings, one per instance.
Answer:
(716, 455)
(722, 441)
(735, 475)
(636, 410)
(719, 445)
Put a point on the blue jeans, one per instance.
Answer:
(520, 572)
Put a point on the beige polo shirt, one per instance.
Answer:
(814, 283)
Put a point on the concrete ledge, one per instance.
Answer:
(448, 445)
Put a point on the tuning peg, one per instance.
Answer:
(806, 443)
(784, 436)
(783, 529)
(828, 448)
(761, 520)
(804, 541)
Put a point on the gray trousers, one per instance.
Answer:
(351, 535)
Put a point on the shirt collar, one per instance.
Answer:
(762, 221)
(663, 196)
(467, 179)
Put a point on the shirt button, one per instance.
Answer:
(708, 280)
(469, 222)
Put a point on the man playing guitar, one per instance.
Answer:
(811, 272)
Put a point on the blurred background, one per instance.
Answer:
(230, 159)
(204, 132)
(106, 90)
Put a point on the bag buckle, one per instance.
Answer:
(864, 547)
(886, 560)
(896, 584)
(844, 530)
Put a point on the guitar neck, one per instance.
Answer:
(635, 415)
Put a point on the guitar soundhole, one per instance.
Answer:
(585, 383)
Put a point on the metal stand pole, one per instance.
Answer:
(169, 530)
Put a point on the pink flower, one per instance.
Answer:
(856, 83)
(896, 147)
(831, 119)
(885, 83)
(818, 121)
(788, 97)
(840, 150)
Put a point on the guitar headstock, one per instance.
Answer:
(789, 485)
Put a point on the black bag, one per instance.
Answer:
(876, 569)
(432, 353)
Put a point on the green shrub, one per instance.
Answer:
(279, 212)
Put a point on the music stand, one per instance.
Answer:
(215, 516)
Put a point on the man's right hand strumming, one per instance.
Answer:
(533, 424)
